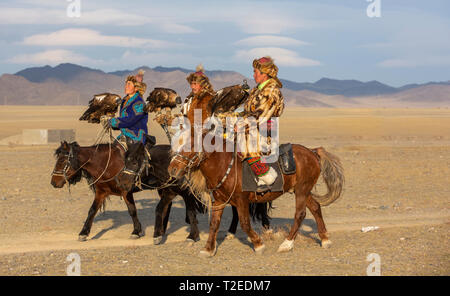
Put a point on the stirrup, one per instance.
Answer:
(262, 189)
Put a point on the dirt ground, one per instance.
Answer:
(397, 170)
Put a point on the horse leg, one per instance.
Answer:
(211, 244)
(244, 219)
(137, 231)
(166, 217)
(314, 207)
(300, 213)
(262, 208)
(96, 204)
(191, 218)
(234, 222)
(161, 214)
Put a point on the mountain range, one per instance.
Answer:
(70, 84)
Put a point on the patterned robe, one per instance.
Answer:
(265, 102)
(132, 121)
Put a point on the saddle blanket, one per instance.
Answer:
(285, 165)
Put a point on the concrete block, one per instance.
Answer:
(34, 136)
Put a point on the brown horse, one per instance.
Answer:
(309, 163)
(100, 165)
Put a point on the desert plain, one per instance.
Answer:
(397, 171)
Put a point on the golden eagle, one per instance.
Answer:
(228, 98)
(162, 99)
(102, 104)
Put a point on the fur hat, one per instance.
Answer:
(141, 72)
(200, 77)
(131, 78)
(267, 66)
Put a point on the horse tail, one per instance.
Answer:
(260, 211)
(333, 175)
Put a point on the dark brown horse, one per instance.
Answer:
(100, 165)
(309, 163)
(74, 162)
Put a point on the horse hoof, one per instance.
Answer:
(326, 243)
(136, 236)
(190, 242)
(82, 238)
(206, 254)
(230, 236)
(260, 250)
(286, 246)
(157, 240)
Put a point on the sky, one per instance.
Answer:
(396, 42)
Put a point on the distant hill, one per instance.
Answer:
(348, 88)
(63, 72)
(70, 84)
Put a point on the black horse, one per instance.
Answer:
(156, 176)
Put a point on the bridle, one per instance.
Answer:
(67, 166)
(200, 157)
(189, 162)
(137, 175)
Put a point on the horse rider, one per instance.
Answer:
(265, 102)
(132, 120)
(202, 92)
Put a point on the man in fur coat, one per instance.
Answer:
(265, 102)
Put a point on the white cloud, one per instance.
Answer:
(115, 17)
(414, 62)
(270, 40)
(158, 58)
(50, 57)
(282, 56)
(271, 24)
(87, 37)
(175, 28)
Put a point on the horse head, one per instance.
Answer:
(67, 168)
(182, 163)
(134, 160)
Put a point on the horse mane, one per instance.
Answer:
(197, 183)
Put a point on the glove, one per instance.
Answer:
(105, 121)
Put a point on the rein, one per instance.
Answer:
(70, 155)
(190, 165)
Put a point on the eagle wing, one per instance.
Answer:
(228, 99)
(102, 104)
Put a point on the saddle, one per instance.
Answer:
(284, 166)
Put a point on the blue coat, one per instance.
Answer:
(132, 121)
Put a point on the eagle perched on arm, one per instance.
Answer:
(102, 104)
(228, 98)
(162, 99)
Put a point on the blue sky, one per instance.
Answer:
(308, 39)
